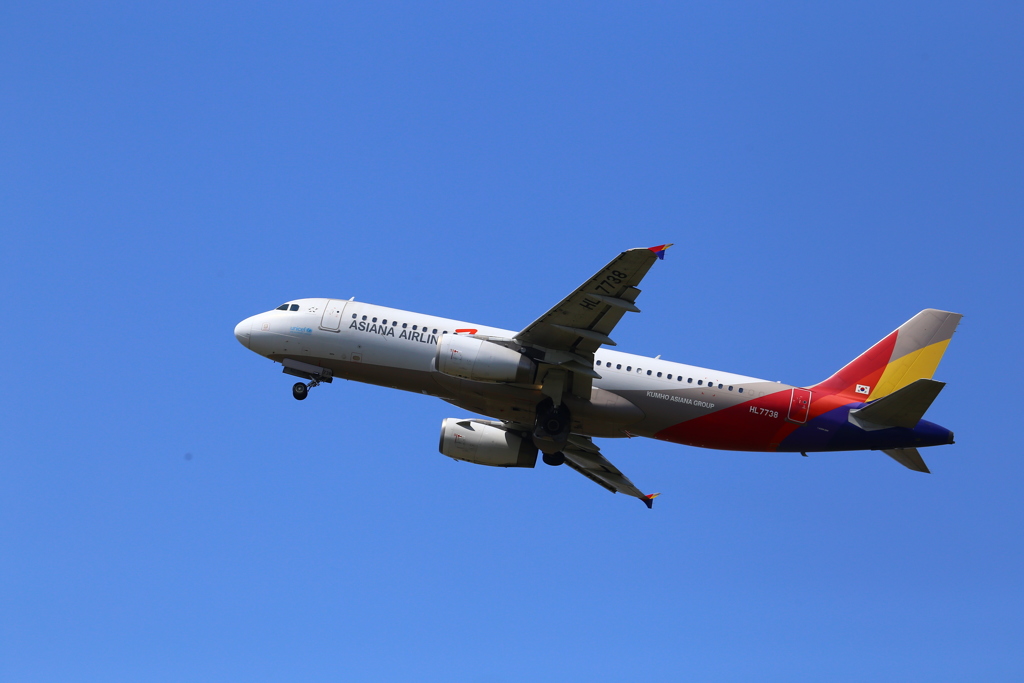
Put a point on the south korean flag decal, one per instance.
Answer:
(863, 389)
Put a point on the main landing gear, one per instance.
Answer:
(554, 459)
(551, 429)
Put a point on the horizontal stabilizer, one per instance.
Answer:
(903, 408)
(909, 458)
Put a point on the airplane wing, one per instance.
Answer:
(581, 322)
(585, 457)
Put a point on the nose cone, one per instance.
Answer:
(243, 331)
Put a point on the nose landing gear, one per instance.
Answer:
(300, 391)
(314, 373)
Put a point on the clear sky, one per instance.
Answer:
(169, 513)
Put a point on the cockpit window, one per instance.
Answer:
(293, 307)
(283, 307)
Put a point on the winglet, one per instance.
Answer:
(659, 250)
(649, 500)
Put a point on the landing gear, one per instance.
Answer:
(551, 429)
(314, 373)
(554, 459)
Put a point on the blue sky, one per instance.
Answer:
(825, 172)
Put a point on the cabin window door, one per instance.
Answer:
(332, 315)
(799, 405)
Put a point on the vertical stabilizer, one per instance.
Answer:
(910, 353)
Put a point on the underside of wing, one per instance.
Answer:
(583, 456)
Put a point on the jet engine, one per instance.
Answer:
(482, 360)
(483, 443)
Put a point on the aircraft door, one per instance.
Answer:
(332, 315)
(799, 405)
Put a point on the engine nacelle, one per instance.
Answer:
(484, 444)
(481, 360)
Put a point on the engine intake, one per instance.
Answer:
(485, 444)
(482, 360)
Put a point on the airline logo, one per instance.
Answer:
(863, 389)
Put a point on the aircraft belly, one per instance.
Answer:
(833, 431)
(605, 415)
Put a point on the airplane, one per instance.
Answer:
(556, 385)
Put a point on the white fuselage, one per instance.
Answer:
(395, 348)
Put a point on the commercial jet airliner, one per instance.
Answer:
(555, 385)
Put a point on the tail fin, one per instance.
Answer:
(910, 353)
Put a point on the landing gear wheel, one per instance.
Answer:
(554, 459)
(551, 422)
(300, 391)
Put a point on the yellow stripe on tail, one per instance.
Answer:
(920, 344)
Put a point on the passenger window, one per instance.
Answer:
(619, 366)
(741, 390)
(374, 320)
(670, 376)
(293, 307)
(384, 321)
(679, 378)
(405, 325)
(689, 380)
(649, 373)
(730, 388)
(394, 323)
(414, 327)
(353, 316)
(629, 368)
(700, 382)
(434, 332)
(598, 363)
(364, 317)
(719, 386)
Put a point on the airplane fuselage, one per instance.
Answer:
(633, 396)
